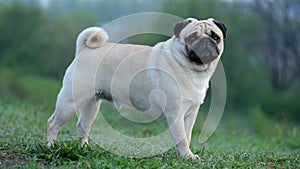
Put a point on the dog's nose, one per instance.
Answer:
(206, 53)
(205, 41)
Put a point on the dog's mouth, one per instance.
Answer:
(192, 56)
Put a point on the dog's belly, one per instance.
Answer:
(140, 92)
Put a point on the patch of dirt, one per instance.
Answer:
(12, 160)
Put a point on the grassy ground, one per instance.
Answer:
(264, 144)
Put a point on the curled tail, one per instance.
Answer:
(92, 37)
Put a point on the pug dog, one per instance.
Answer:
(169, 79)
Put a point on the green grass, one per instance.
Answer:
(260, 144)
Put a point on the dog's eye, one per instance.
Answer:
(215, 37)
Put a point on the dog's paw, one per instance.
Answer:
(192, 156)
(50, 143)
(195, 157)
(84, 142)
(189, 154)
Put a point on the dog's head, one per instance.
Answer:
(203, 40)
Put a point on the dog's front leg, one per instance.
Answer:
(189, 122)
(177, 132)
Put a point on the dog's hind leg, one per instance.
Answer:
(65, 108)
(88, 114)
(58, 118)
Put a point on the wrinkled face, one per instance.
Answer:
(203, 40)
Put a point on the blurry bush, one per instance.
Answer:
(34, 42)
(35, 49)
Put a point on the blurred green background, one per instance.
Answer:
(261, 57)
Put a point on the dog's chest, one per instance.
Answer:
(195, 93)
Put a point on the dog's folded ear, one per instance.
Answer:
(221, 26)
(179, 26)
